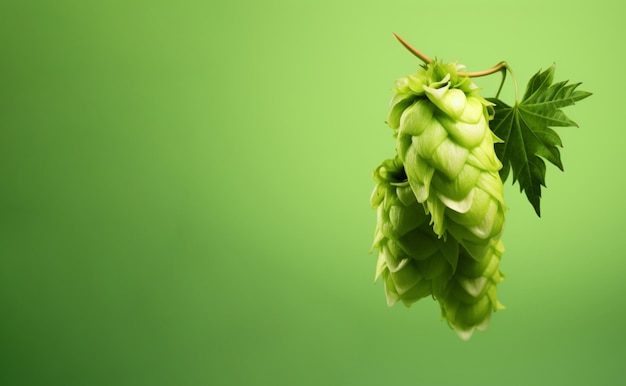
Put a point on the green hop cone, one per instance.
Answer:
(412, 261)
(471, 297)
(446, 146)
(447, 150)
(415, 263)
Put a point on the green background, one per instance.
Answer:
(184, 195)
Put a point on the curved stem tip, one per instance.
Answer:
(413, 50)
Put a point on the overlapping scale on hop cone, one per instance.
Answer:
(445, 147)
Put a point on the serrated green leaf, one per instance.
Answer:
(526, 131)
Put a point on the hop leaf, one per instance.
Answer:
(525, 130)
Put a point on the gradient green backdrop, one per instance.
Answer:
(184, 195)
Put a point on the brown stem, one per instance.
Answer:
(413, 50)
(502, 66)
(498, 67)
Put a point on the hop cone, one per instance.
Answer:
(470, 297)
(414, 263)
(446, 148)
(412, 260)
